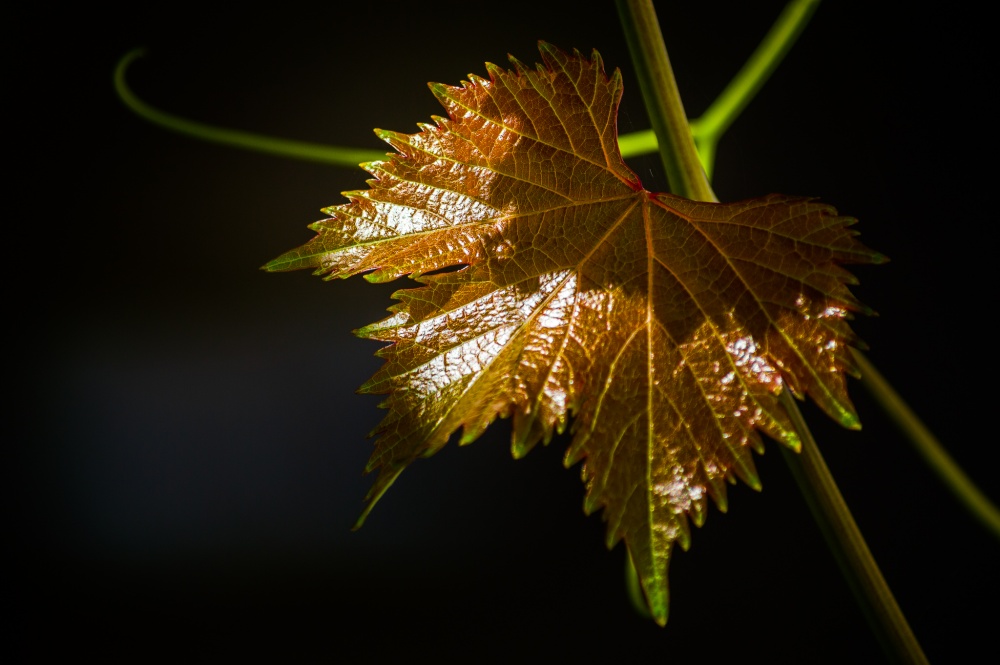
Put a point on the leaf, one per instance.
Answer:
(663, 327)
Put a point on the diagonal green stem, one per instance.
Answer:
(748, 81)
(238, 139)
(928, 446)
(663, 101)
(848, 545)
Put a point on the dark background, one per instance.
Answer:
(187, 444)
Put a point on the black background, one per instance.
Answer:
(187, 444)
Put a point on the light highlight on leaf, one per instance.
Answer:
(663, 328)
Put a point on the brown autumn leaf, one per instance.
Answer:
(665, 328)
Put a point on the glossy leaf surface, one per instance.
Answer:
(664, 328)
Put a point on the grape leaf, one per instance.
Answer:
(556, 289)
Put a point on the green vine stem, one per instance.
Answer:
(928, 446)
(848, 545)
(681, 162)
(688, 179)
(758, 68)
(231, 137)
